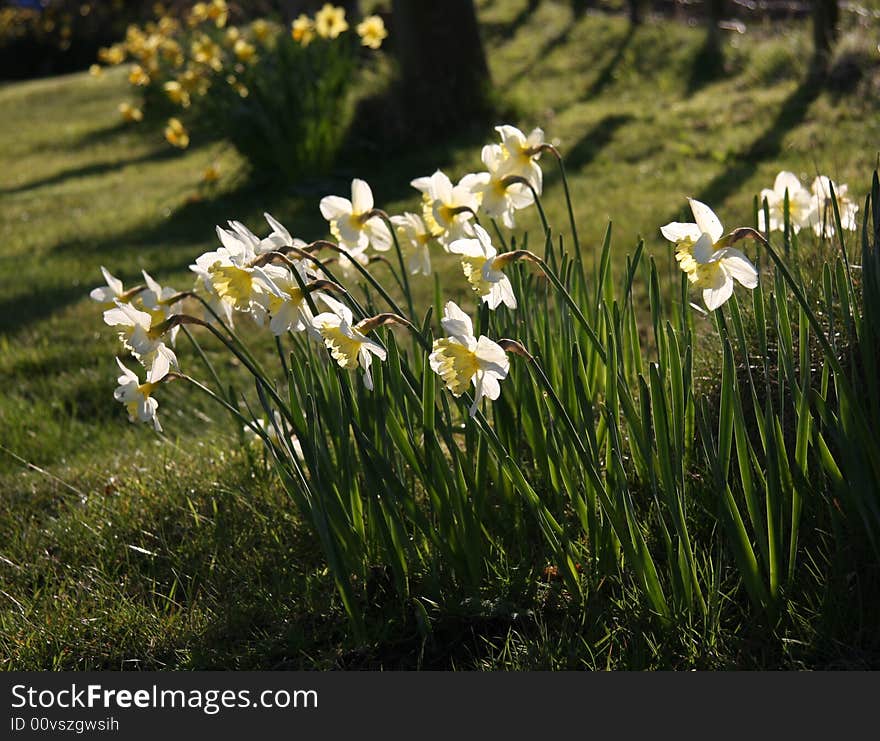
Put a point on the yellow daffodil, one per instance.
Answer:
(461, 359)
(176, 134)
(138, 76)
(330, 21)
(205, 51)
(261, 29)
(372, 31)
(113, 55)
(703, 255)
(479, 267)
(177, 93)
(244, 51)
(96, 70)
(218, 12)
(303, 30)
(130, 113)
(347, 345)
(287, 305)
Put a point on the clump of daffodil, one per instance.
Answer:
(702, 253)
(205, 51)
(372, 31)
(303, 30)
(176, 134)
(130, 113)
(354, 223)
(348, 346)
(330, 21)
(801, 207)
(461, 358)
(479, 262)
(823, 211)
(446, 208)
(414, 234)
(136, 396)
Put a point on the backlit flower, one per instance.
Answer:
(524, 152)
(352, 223)
(177, 93)
(702, 254)
(158, 302)
(800, 204)
(823, 209)
(499, 200)
(461, 359)
(478, 264)
(244, 51)
(372, 31)
(287, 303)
(348, 347)
(412, 233)
(139, 335)
(446, 208)
(136, 396)
(106, 295)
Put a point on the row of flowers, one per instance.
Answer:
(279, 281)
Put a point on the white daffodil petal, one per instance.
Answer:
(706, 219)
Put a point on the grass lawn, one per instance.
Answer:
(123, 549)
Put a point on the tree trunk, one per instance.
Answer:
(635, 12)
(444, 79)
(714, 16)
(825, 17)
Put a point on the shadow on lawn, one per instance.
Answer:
(587, 148)
(96, 168)
(765, 147)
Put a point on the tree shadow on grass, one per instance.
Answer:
(765, 147)
(96, 168)
(507, 30)
(606, 75)
(547, 48)
(587, 148)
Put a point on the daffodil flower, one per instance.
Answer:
(158, 302)
(348, 346)
(144, 339)
(801, 208)
(461, 359)
(479, 266)
(498, 198)
(353, 223)
(413, 233)
(823, 210)
(287, 304)
(448, 209)
(372, 31)
(524, 153)
(176, 134)
(330, 21)
(141, 406)
(302, 29)
(703, 255)
(106, 295)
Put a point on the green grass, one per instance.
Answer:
(135, 551)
